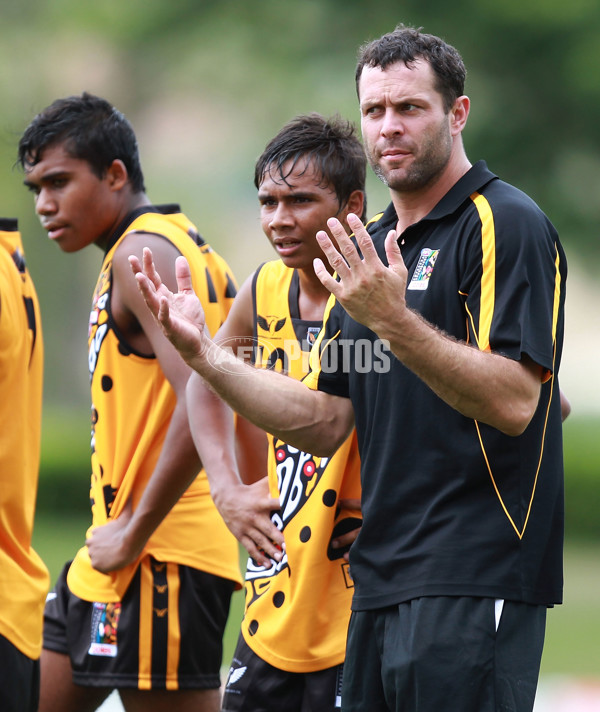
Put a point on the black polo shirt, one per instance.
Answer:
(452, 506)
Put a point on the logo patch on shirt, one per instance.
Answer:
(105, 621)
(271, 324)
(312, 334)
(235, 674)
(423, 270)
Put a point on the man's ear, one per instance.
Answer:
(116, 175)
(459, 114)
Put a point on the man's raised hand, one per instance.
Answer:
(180, 314)
(366, 286)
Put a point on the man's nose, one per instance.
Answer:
(392, 123)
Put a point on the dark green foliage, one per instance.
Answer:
(582, 477)
(207, 83)
(65, 472)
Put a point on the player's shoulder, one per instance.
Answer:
(508, 199)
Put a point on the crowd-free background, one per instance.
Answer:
(206, 84)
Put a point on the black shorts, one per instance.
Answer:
(19, 679)
(444, 653)
(255, 686)
(166, 633)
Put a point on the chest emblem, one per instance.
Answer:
(270, 324)
(424, 269)
(312, 334)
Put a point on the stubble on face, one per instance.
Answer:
(406, 131)
(430, 158)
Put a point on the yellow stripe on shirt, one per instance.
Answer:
(488, 273)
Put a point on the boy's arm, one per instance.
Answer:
(122, 540)
(245, 508)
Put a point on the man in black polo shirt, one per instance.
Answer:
(442, 342)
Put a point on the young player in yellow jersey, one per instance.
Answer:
(142, 608)
(24, 578)
(291, 648)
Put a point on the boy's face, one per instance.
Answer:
(75, 207)
(294, 210)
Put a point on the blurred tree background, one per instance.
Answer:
(206, 84)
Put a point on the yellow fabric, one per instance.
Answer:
(132, 407)
(24, 579)
(297, 612)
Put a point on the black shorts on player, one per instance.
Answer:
(445, 653)
(19, 679)
(134, 643)
(255, 686)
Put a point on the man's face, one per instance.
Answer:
(294, 210)
(75, 207)
(406, 132)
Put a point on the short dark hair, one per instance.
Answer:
(91, 129)
(333, 147)
(408, 44)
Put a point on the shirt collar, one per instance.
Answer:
(474, 179)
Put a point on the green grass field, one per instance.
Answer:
(573, 632)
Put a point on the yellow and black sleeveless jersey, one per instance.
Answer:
(451, 506)
(297, 610)
(132, 405)
(24, 579)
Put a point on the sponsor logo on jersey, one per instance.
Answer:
(235, 675)
(311, 334)
(270, 324)
(423, 270)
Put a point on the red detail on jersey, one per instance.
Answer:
(309, 468)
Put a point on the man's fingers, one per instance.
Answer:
(326, 279)
(334, 257)
(149, 268)
(392, 250)
(136, 267)
(183, 276)
(363, 240)
(164, 314)
(148, 292)
(345, 245)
